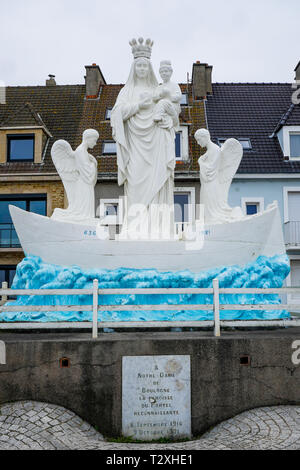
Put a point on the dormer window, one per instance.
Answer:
(289, 139)
(20, 148)
(23, 143)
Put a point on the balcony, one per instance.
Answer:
(292, 234)
(8, 236)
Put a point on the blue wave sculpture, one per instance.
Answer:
(33, 273)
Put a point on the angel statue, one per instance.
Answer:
(78, 171)
(217, 168)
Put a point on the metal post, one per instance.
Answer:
(4, 297)
(216, 307)
(95, 308)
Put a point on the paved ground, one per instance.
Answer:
(33, 425)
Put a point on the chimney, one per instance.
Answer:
(201, 80)
(93, 80)
(297, 71)
(51, 80)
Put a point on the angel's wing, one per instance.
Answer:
(231, 156)
(64, 161)
(65, 164)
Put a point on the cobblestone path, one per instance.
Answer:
(33, 425)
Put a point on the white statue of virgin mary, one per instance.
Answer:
(145, 151)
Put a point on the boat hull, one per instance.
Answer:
(69, 244)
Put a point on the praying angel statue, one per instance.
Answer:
(78, 171)
(217, 168)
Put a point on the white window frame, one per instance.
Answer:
(184, 143)
(253, 200)
(111, 219)
(287, 131)
(192, 207)
(286, 191)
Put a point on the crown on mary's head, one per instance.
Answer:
(141, 48)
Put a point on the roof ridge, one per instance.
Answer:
(45, 86)
(252, 83)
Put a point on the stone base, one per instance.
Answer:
(230, 374)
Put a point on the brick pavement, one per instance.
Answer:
(34, 425)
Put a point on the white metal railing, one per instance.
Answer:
(292, 233)
(180, 227)
(216, 307)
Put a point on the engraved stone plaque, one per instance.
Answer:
(156, 397)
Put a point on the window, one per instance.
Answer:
(251, 208)
(290, 138)
(295, 145)
(184, 204)
(178, 145)
(184, 99)
(108, 114)
(294, 206)
(291, 200)
(245, 142)
(295, 274)
(20, 147)
(182, 144)
(111, 211)
(109, 148)
(252, 205)
(31, 203)
(293, 279)
(7, 274)
(181, 202)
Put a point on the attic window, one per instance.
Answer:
(20, 148)
(245, 142)
(109, 148)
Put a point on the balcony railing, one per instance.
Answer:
(8, 236)
(180, 227)
(292, 233)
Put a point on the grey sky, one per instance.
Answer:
(254, 41)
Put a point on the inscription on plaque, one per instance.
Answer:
(156, 397)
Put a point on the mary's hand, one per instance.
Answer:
(170, 110)
(146, 101)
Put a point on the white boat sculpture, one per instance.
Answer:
(68, 244)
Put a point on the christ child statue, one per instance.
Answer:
(167, 95)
